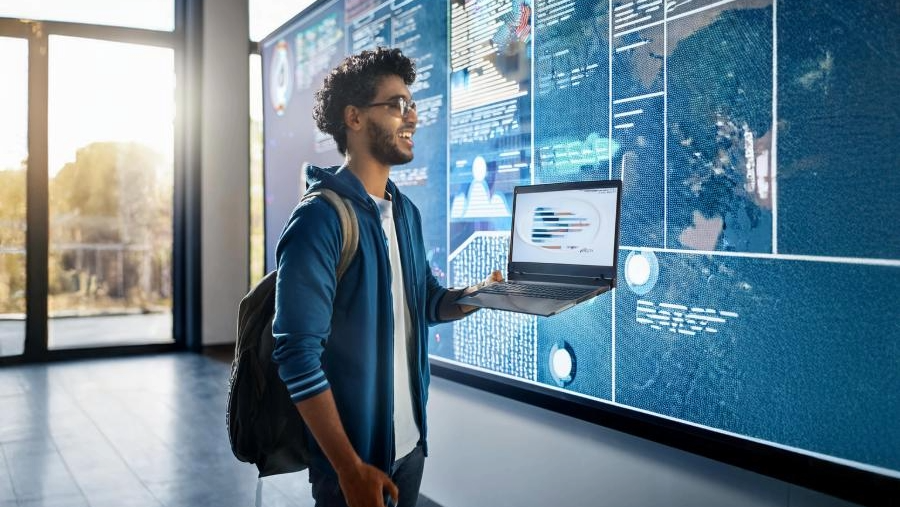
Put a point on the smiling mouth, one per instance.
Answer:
(406, 136)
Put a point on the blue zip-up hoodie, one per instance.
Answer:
(341, 335)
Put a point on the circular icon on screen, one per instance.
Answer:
(562, 363)
(281, 77)
(641, 271)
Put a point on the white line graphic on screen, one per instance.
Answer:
(557, 228)
(636, 13)
(628, 113)
(681, 319)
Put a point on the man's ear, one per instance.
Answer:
(352, 118)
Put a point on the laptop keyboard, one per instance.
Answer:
(535, 291)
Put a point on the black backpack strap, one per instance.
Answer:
(349, 226)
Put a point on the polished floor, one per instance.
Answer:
(89, 331)
(147, 431)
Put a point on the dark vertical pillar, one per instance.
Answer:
(37, 233)
(186, 257)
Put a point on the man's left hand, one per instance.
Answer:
(494, 277)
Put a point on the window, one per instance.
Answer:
(13, 160)
(151, 14)
(267, 15)
(110, 171)
(257, 202)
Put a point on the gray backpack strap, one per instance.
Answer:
(349, 226)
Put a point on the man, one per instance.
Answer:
(353, 354)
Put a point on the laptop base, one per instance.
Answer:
(520, 304)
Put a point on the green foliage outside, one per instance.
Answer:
(110, 233)
(12, 241)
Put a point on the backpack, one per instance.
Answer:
(263, 424)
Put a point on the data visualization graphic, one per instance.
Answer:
(558, 228)
(756, 141)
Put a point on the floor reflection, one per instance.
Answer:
(147, 431)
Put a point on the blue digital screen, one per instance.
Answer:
(759, 258)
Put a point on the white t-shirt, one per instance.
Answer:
(406, 431)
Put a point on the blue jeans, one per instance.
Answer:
(406, 473)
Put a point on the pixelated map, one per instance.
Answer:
(715, 321)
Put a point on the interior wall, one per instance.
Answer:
(491, 451)
(225, 153)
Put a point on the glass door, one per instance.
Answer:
(92, 162)
(13, 190)
(111, 120)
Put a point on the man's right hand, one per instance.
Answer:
(364, 486)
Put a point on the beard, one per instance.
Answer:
(383, 146)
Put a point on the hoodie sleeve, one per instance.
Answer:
(440, 307)
(307, 257)
(447, 308)
(440, 303)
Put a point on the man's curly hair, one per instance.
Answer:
(353, 83)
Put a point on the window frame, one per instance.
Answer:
(185, 41)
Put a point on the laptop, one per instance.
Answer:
(563, 248)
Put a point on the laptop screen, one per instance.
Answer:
(570, 226)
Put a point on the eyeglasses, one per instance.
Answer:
(400, 103)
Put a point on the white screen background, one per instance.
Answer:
(580, 227)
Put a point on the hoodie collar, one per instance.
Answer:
(338, 178)
(342, 180)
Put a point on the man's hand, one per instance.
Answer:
(494, 277)
(364, 486)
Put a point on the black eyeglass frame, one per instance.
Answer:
(401, 103)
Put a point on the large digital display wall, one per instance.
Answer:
(757, 141)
